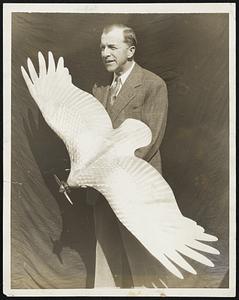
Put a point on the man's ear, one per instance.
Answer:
(131, 51)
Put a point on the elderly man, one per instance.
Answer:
(121, 261)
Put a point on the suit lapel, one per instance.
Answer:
(127, 92)
(104, 93)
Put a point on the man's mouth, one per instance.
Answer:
(107, 62)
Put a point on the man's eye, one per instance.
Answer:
(112, 47)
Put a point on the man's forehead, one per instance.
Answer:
(113, 36)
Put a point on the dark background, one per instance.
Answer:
(52, 241)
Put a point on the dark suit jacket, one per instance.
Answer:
(143, 96)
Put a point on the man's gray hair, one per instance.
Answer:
(129, 34)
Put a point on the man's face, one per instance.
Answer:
(114, 51)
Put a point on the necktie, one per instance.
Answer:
(114, 89)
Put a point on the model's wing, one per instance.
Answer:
(76, 116)
(144, 202)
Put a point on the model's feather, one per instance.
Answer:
(103, 158)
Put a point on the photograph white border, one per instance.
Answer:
(8, 9)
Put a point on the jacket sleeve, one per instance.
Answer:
(154, 114)
(94, 90)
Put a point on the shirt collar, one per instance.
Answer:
(125, 75)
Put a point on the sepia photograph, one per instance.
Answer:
(119, 149)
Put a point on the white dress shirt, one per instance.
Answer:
(123, 77)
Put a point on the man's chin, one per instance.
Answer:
(110, 68)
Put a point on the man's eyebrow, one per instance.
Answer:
(109, 45)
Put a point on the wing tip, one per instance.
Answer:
(195, 272)
(25, 75)
(23, 71)
(40, 55)
(50, 54)
(211, 264)
(179, 275)
(60, 63)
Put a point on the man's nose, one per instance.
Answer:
(105, 52)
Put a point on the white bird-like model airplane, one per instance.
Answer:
(103, 158)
